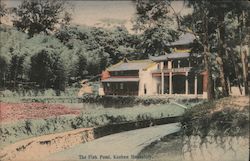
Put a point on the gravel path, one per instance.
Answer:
(122, 146)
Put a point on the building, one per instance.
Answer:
(129, 78)
(176, 73)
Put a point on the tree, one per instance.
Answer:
(41, 71)
(36, 16)
(16, 68)
(199, 24)
(3, 11)
(219, 12)
(154, 20)
(155, 40)
(244, 40)
(3, 70)
(48, 70)
(151, 13)
(81, 67)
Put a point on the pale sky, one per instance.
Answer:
(104, 12)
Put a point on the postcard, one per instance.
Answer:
(124, 80)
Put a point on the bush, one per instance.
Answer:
(49, 93)
(206, 119)
(7, 93)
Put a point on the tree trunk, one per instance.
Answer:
(244, 60)
(237, 72)
(221, 54)
(244, 54)
(210, 83)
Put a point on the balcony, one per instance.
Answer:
(174, 70)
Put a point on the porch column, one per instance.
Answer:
(179, 63)
(186, 83)
(162, 78)
(162, 82)
(189, 63)
(170, 83)
(195, 85)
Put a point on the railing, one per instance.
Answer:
(121, 92)
(184, 69)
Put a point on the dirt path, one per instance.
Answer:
(121, 146)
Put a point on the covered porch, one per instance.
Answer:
(121, 86)
(180, 83)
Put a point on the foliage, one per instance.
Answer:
(72, 54)
(154, 20)
(223, 21)
(3, 10)
(39, 16)
(207, 120)
(151, 14)
(155, 40)
(47, 69)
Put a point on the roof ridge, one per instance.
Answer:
(141, 60)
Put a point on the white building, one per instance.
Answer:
(176, 73)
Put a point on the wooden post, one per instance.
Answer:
(169, 64)
(195, 85)
(170, 83)
(162, 82)
(170, 77)
(162, 78)
(186, 83)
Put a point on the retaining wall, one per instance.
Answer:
(39, 147)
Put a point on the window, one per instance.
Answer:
(145, 89)
(165, 65)
(108, 84)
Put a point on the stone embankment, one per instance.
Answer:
(40, 147)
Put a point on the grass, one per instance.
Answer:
(11, 133)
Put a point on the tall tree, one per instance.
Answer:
(244, 29)
(16, 68)
(36, 16)
(48, 70)
(154, 20)
(155, 40)
(200, 23)
(217, 13)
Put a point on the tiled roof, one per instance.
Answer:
(131, 65)
(184, 40)
(169, 56)
(121, 80)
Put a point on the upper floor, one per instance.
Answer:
(128, 69)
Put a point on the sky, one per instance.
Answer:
(104, 13)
